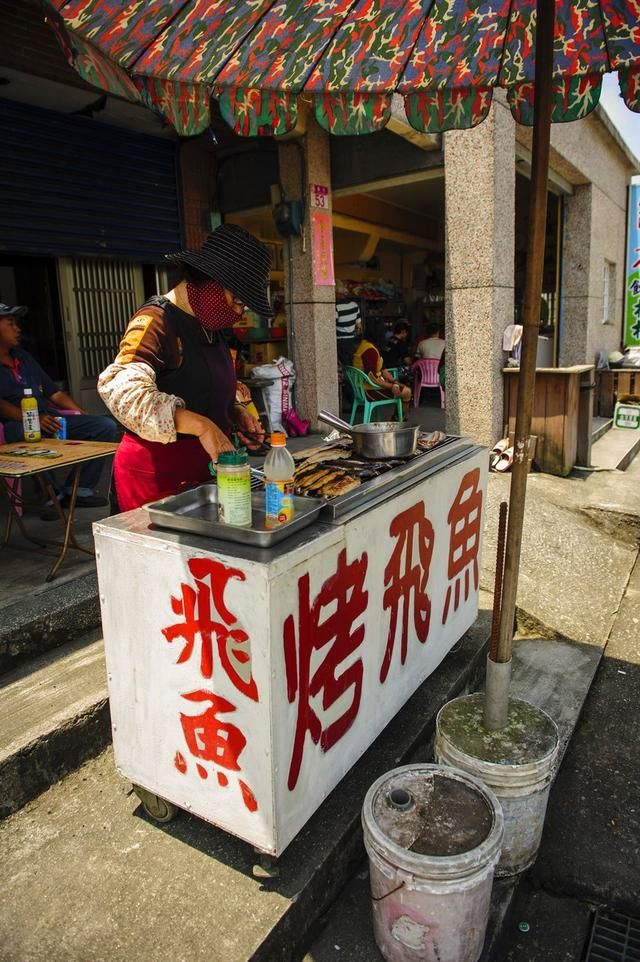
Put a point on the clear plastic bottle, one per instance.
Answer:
(234, 488)
(30, 416)
(279, 468)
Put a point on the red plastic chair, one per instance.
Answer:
(425, 374)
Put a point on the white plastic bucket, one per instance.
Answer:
(431, 907)
(517, 763)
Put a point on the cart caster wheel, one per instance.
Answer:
(267, 866)
(156, 808)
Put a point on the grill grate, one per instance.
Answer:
(614, 938)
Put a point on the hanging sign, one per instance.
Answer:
(632, 273)
(320, 198)
(321, 235)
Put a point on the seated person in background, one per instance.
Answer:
(348, 327)
(19, 370)
(368, 358)
(397, 353)
(432, 345)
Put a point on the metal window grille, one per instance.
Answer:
(614, 938)
(106, 296)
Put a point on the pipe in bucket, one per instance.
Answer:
(516, 762)
(433, 836)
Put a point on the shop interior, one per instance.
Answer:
(388, 240)
(388, 256)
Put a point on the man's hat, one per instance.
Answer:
(6, 311)
(238, 261)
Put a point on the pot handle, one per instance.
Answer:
(335, 422)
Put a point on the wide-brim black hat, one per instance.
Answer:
(238, 261)
(7, 311)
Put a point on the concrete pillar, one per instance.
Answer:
(196, 157)
(310, 308)
(576, 304)
(479, 270)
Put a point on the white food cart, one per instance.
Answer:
(245, 682)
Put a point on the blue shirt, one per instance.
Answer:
(25, 373)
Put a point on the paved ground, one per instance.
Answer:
(590, 853)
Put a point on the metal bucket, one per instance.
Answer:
(433, 838)
(518, 763)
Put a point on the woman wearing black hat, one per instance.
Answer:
(172, 385)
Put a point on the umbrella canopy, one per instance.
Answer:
(348, 56)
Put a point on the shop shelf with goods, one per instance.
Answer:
(381, 305)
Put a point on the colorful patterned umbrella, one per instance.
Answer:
(348, 56)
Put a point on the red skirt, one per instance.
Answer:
(147, 470)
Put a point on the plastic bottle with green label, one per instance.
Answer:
(279, 468)
(234, 488)
(30, 416)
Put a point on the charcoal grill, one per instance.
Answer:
(390, 481)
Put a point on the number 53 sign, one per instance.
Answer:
(320, 197)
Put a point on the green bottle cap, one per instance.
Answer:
(234, 457)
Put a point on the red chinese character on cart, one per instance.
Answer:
(464, 540)
(214, 740)
(326, 626)
(403, 578)
(207, 617)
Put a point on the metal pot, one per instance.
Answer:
(378, 440)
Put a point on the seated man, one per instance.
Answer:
(432, 345)
(397, 353)
(368, 358)
(19, 370)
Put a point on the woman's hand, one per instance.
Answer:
(250, 431)
(214, 441)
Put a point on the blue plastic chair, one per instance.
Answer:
(359, 381)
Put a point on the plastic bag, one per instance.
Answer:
(277, 396)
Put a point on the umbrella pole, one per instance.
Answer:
(498, 669)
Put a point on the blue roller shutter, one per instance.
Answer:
(72, 186)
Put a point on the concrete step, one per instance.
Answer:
(46, 619)
(54, 716)
(615, 450)
(91, 877)
(600, 427)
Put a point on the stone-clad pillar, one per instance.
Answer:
(480, 228)
(577, 305)
(311, 308)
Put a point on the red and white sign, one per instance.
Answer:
(244, 690)
(321, 235)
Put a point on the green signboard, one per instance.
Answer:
(627, 416)
(632, 273)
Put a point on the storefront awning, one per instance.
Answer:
(348, 57)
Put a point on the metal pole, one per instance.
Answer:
(527, 375)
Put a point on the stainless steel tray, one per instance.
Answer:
(196, 510)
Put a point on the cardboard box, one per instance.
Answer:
(264, 352)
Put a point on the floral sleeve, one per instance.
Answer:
(132, 396)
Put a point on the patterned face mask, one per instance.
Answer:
(209, 305)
